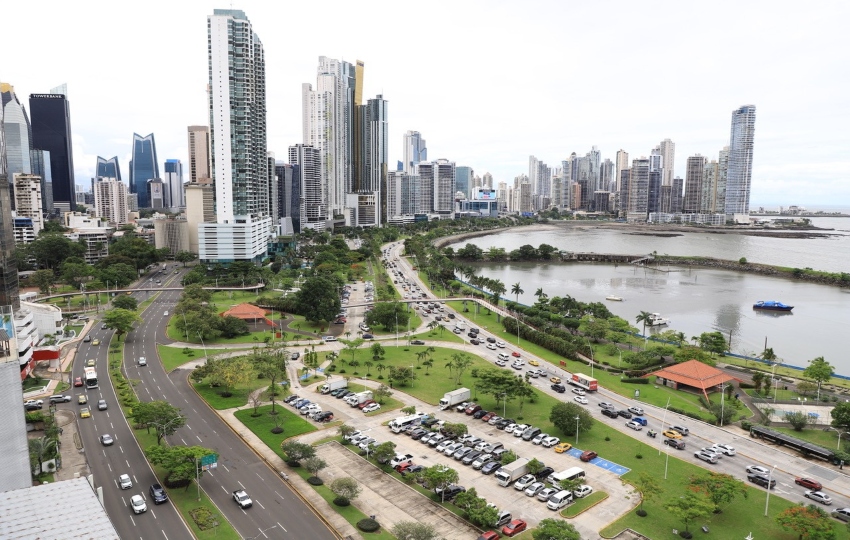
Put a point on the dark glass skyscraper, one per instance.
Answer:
(50, 117)
(143, 167)
(108, 168)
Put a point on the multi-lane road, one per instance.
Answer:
(278, 512)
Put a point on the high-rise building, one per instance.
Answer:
(28, 202)
(199, 153)
(50, 115)
(437, 180)
(639, 184)
(108, 168)
(156, 190)
(16, 124)
(376, 145)
(174, 191)
(41, 167)
(143, 167)
(487, 180)
(110, 200)
(722, 172)
(237, 108)
(740, 169)
(708, 197)
(622, 163)
(464, 180)
(667, 150)
(693, 184)
(8, 265)
(289, 194)
(308, 161)
(415, 151)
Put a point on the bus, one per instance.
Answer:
(91, 377)
(570, 474)
(400, 424)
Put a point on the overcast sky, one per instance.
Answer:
(486, 83)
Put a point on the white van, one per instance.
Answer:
(503, 356)
(560, 500)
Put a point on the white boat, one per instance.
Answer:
(614, 298)
(655, 319)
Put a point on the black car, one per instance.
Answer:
(491, 339)
(428, 422)
(450, 492)
(417, 342)
(343, 394)
(544, 473)
(295, 356)
(761, 480)
(503, 422)
(158, 495)
(560, 388)
(470, 457)
(610, 413)
(451, 315)
(413, 469)
(475, 341)
(368, 336)
(625, 414)
(418, 433)
(490, 467)
(480, 414)
(326, 416)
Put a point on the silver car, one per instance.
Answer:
(124, 481)
(137, 503)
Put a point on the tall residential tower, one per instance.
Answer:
(740, 168)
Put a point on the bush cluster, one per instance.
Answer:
(368, 525)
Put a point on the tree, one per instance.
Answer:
(458, 365)
(555, 529)
(125, 302)
(719, 488)
(841, 415)
(378, 351)
(819, 370)
(50, 250)
(535, 466)
(644, 317)
(344, 430)
(455, 431)
(345, 489)
(296, 451)
(648, 487)
(713, 342)
(318, 299)
(384, 452)
(517, 290)
(690, 507)
(185, 257)
(196, 291)
(120, 320)
(231, 372)
(382, 392)
(797, 419)
(164, 417)
(231, 326)
(439, 477)
(44, 280)
(402, 376)
(412, 530)
(563, 416)
(39, 449)
(570, 484)
(182, 463)
(390, 315)
(597, 329)
(271, 366)
(314, 464)
(810, 522)
(508, 457)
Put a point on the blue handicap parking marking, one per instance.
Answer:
(619, 470)
(575, 452)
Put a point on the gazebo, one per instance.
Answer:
(692, 374)
(248, 312)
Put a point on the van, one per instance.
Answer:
(504, 519)
(560, 500)
(681, 429)
(503, 356)
(570, 474)
(530, 433)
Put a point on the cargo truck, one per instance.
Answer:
(511, 472)
(330, 386)
(357, 399)
(454, 397)
(584, 381)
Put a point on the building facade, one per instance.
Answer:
(110, 200)
(144, 167)
(415, 151)
(108, 168)
(740, 168)
(175, 197)
(50, 116)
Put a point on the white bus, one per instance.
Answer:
(403, 422)
(570, 474)
(91, 377)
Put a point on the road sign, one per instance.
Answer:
(209, 461)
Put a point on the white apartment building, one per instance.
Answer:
(28, 202)
(110, 200)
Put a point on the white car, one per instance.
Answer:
(509, 428)
(365, 443)
(491, 346)
(549, 442)
(711, 450)
(545, 493)
(578, 391)
(500, 344)
(818, 496)
(372, 407)
(726, 449)
(758, 469)
(137, 503)
(634, 425)
(534, 489)
(636, 410)
(540, 438)
(583, 491)
(580, 399)
(241, 498)
(501, 363)
(519, 430)
(441, 447)
(523, 483)
(124, 481)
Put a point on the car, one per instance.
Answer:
(841, 513)
(539, 438)
(462, 407)
(558, 387)
(365, 404)
(609, 413)
(106, 440)
(525, 481)
(583, 491)
(518, 430)
(344, 394)
(426, 438)
(242, 499)
(545, 493)
(490, 467)
(482, 460)
(501, 344)
(634, 425)
(478, 415)
(641, 420)
(85, 412)
(625, 414)
(709, 457)
(82, 399)
(78, 381)
(489, 535)
(492, 340)
(678, 444)
(818, 496)
(33, 404)
(491, 346)
(292, 398)
(517, 365)
(451, 491)
(534, 489)
(761, 480)
(588, 455)
(560, 448)
(495, 420)
(90, 362)
(470, 458)
(87, 339)
(636, 410)
(104, 327)
(475, 341)
(372, 407)
(727, 450)
(711, 450)
(808, 483)
(515, 527)
(758, 469)
(549, 442)
(503, 423)
(452, 448)
(326, 416)
(418, 433)
(501, 363)
(95, 342)
(436, 439)
(544, 473)
(59, 399)
(516, 354)
(580, 399)
(555, 380)
(142, 361)
(137, 503)
(417, 342)
(158, 495)
(487, 417)
(101, 405)
(457, 330)
(442, 445)
(673, 434)
(124, 481)
(472, 409)
(581, 392)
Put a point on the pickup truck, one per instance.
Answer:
(33, 404)
(242, 499)
(400, 459)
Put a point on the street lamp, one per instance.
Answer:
(840, 433)
(577, 419)
(767, 500)
(592, 361)
(204, 346)
(504, 397)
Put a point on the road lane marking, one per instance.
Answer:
(225, 467)
(184, 441)
(261, 504)
(165, 535)
(240, 484)
(224, 488)
(279, 495)
(200, 439)
(281, 526)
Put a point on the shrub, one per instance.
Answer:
(636, 380)
(341, 501)
(203, 518)
(368, 525)
(746, 425)
(315, 481)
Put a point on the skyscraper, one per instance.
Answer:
(639, 184)
(17, 127)
(8, 264)
(199, 154)
(41, 167)
(50, 115)
(110, 200)
(174, 184)
(693, 184)
(307, 161)
(415, 151)
(740, 169)
(143, 167)
(108, 168)
(376, 144)
(463, 184)
(667, 150)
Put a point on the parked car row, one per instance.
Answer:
(309, 409)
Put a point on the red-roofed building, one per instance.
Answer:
(248, 312)
(692, 375)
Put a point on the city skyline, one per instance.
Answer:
(497, 110)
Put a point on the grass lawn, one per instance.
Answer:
(292, 423)
(173, 357)
(239, 398)
(581, 505)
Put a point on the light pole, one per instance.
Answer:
(767, 500)
(184, 325)
(840, 433)
(204, 346)
(592, 361)
(577, 419)
(504, 396)
(722, 396)
(663, 420)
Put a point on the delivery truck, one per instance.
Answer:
(511, 472)
(330, 386)
(454, 397)
(356, 399)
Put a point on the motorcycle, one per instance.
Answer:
(651, 433)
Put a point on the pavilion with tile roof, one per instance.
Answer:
(248, 312)
(692, 374)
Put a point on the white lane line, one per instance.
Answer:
(184, 441)
(261, 504)
(165, 535)
(281, 526)
(224, 488)
(261, 478)
(225, 467)
(240, 484)
(200, 439)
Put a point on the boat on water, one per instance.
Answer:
(655, 319)
(614, 298)
(772, 305)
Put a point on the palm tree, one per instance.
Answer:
(355, 364)
(644, 317)
(368, 365)
(428, 364)
(421, 355)
(680, 337)
(517, 290)
(768, 355)
(541, 296)
(380, 367)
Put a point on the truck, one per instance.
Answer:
(460, 325)
(330, 386)
(511, 472)
(454, 397)
(584, 381)
(360, 397)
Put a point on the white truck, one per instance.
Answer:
(330, 386)
(460, 325)
(454, 397)
(356, 399)
(511, 472)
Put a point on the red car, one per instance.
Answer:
(808, 483)
(515, 354)
(365, 403)
(404, 466)
(489, 535)
(514, 527)
(588, 455)
(472, 409)
(78, 381)
(488, 416)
